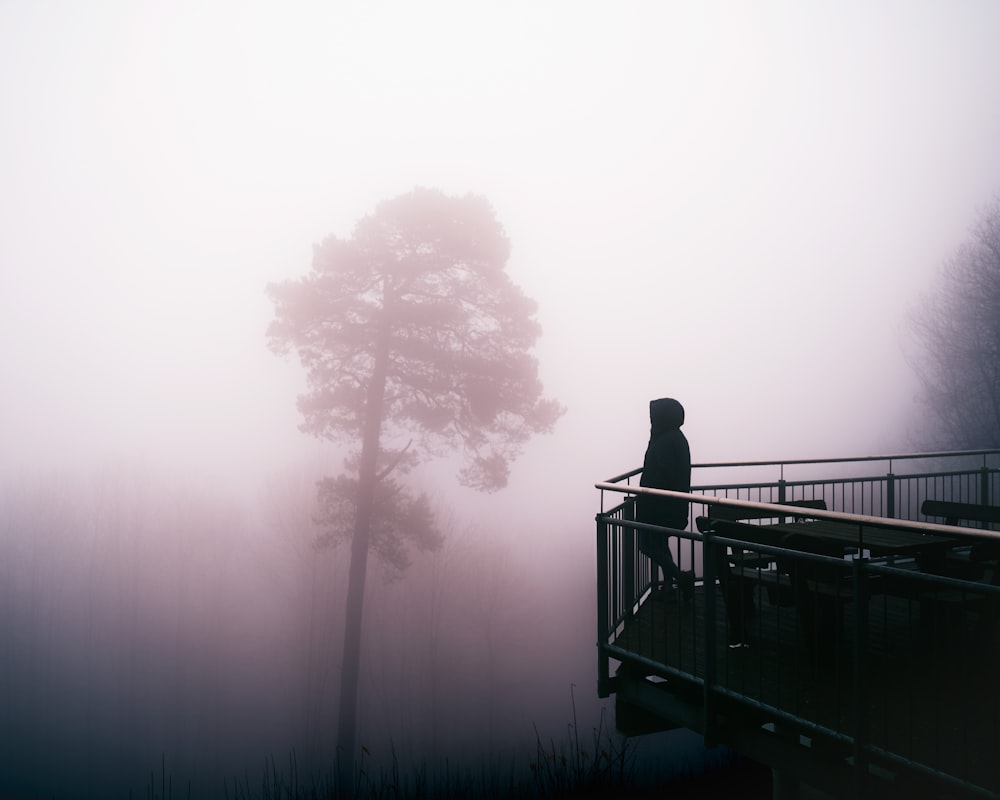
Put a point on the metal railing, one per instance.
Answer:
(967, 476)
(891, 666)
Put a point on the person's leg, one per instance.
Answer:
(657, 549)
(684, 579)
(670, 568)
(673, 575)
(650, 546)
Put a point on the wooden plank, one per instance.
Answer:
(734, 513)
(879, 540)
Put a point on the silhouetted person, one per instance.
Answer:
(667, 465)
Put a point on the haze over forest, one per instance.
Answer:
(737, 206)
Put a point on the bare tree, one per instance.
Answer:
(957, 328)
(411, 331)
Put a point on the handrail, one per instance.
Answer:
(845, 460)
(799, 511)
(636, 471)
(840, 460)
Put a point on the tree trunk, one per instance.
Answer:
(364, 510)
(351, 669)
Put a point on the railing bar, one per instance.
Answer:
(865, 519)
(657, 667)
(933, 772)
(805, 482)
(808, 726)
(844, 460)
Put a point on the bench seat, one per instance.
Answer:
(953, 512)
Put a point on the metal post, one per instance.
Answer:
(629, 558)
(984, 486)
(890, 496)
(603, 599)
(861, 702)
(708, 702)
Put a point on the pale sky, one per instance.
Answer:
(733, 204)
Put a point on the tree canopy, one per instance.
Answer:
(419, 293)
(958, 330)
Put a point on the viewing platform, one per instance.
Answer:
(842, 630)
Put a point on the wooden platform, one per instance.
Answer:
(930, 691)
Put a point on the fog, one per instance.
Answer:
(735, 206)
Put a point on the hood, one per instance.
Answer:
(665, 413)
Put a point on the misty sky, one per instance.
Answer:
(733, 204)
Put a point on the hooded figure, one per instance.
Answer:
(667, 465)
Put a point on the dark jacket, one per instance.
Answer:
(667, 465)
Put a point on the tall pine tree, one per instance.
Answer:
(415, 342)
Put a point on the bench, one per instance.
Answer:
(731, 522)
(743, 571)
(968, 562)
(943, 607)
(953, 512)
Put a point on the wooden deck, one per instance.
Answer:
(932, 694)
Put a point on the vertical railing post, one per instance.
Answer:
(603, 603)
(890, 495)
(782, 496)
(984, 486)
(862, 706)
(708, 699)
(629, 558)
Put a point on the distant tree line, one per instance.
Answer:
(957, 332)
